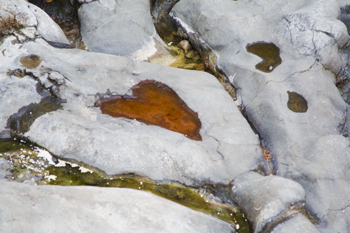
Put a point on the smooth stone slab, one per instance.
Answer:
(297, 224)
(36, 21)
(119, 27)
(267, 199)
(116, 145)
(25, 208)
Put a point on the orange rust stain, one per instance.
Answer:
(155, 103)
(267, 155)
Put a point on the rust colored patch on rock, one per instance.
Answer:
(155, 103)
(31, 61)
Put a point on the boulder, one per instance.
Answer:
(120, 27)
(90, 209)
(267, 200)
(292, 102)
(117, 145)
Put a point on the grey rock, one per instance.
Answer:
(36, 21)
(120, 28)
(25, 91)
(25, 208)
(116, 145)
(345, 15)
(267, 199)
(298, 224)
(46, 27)
(5, 168)
(309, 37)
(343, 3)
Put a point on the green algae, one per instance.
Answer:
(71, 175)
(296, 102)
(270, 54)
(27, 163)
(176, 56)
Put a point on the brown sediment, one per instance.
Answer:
(31, 61)
(155, 103)
(270, 54)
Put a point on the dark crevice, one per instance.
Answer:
(65, 14)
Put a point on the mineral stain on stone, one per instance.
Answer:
(270, 54)
(21, 121)
(155, 103)
(296, 102)
(31, 61)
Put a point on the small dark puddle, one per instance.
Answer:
(270, 54)
(296, 102)
(155, 103)
(31, 61)
(21, 121)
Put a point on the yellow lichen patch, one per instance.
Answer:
(31, 61)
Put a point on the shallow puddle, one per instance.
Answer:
(155, 103)
(21, 121)
(270, 54)
(296, 102)
(31, 61)
(32, 163)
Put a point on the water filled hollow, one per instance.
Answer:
(155, 103)
(270, 54)
(296, 102)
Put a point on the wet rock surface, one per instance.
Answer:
(295, 179)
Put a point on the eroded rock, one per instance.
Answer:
(267, 199)
(309, 37)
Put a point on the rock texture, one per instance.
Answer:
(291, 100)
(309, 37)
(297, 223)
(267, 199)
(90, 209)
(120, 28)
(112, 144)
(116, 145)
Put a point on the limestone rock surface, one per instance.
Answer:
(90, 209)
(309, 37)
(267, 199)
(120, 28)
